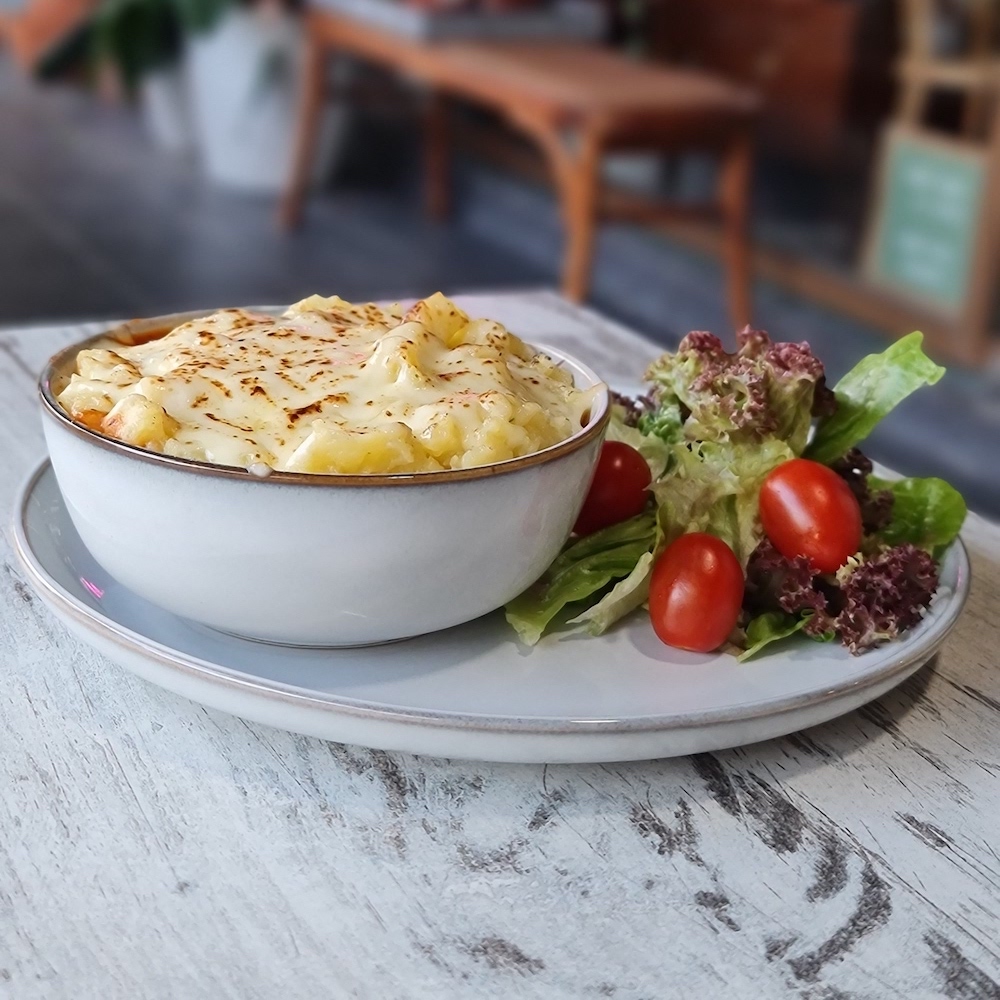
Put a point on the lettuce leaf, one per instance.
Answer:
(770, 627)
(713, 486)
(653, 448)
(928, 513)
(763, 390)
(881, 596)
(622, 599)
(583, 569)
(869, 391)
(665, 422)
(871, 599)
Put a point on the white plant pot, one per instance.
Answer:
(166, 110)
(245, 78)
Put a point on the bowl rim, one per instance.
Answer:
(140, 330)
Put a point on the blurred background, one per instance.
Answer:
(160, 155)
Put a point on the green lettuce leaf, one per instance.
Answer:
(713, 486)
(623, 598)
(665, 422)
(869, 391)
(653, 448)
(770, 627)
(583, 569)
(928, 513)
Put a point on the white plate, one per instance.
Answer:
(472, 692)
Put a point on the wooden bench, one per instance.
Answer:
(576, 102)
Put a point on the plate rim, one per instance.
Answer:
(62, 601)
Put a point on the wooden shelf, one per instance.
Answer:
(957, 73)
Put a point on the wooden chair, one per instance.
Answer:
(576, 102)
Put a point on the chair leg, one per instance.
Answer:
(306, 134)
(579, 181)
(734, 201)
(437, 157)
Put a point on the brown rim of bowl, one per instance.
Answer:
(141, 330)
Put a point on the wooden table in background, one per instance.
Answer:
(576, 102)
(151, 848)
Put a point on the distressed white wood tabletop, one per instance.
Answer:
(153, 848)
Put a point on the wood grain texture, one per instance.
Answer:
(152, 848)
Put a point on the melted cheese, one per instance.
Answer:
(331, 387)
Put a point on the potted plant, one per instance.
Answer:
(222, 74)
(142, 39)
(244, 70)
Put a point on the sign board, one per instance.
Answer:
(929, 207)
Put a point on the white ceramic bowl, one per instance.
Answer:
(310, 559)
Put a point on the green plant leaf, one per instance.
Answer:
(202, 15)
(137, 36)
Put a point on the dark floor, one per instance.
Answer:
(95, 223)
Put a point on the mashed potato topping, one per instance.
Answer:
(331, 387)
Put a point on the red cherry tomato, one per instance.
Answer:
(618, 491)
(807, 510)
(695, 593)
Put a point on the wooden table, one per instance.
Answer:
(575, 102)
(150, 848)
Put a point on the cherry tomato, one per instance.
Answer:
(695, 593)
(618, 490)
(807, 510)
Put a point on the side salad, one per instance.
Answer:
(732, 500)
